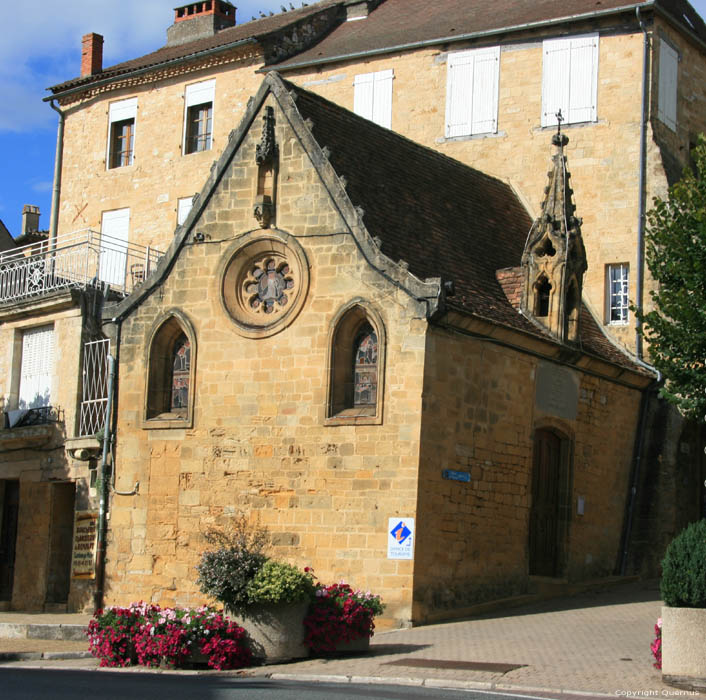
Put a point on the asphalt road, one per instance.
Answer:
(43, 684)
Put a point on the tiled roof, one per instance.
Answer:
(443, 218)
(399, 23)
(257, 29)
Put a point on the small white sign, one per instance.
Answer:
(400, 538)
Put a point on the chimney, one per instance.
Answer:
(91, 54)
(30, 219)
(200, 19)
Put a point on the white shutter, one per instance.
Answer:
(363, 93)
(472, 92)
(484, 105)
(459, 94)
(37, 366)
(199, 93)
(583, 80)
(184, 205)
(570, 79)
(122, 110)
(667, 97)
(382, 98)
(115, 228)
(556, 67)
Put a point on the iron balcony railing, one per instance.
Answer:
(31, 416)
(78, 260)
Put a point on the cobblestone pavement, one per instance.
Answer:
(596, 643)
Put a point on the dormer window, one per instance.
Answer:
(543, 290)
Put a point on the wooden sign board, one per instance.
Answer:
(83, 559)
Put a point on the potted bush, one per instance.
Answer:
(683, 589)
(341, 619)
(270, 598)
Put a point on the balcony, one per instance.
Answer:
(78, 260)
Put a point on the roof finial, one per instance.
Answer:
(559, 139)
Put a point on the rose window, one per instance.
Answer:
(268, 285)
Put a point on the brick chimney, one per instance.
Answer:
(200, 19)
(30, 219)
(91, 54)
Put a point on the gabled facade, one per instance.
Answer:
(344, 362)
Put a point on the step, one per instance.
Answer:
(20, 630)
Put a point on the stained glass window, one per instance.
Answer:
(365, 367)
(181, 363)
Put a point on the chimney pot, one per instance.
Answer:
(91, 54)
(200, 19)
(30, 218)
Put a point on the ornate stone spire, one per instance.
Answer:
(554, 259)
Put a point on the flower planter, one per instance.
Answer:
(276, 632)
(684, 646)
(355, 646)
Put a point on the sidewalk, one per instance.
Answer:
(596, 643)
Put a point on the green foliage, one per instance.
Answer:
(226, 571)
(676, 257)
(277, 582)
(683, 582)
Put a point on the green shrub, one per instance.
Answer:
(226, 571)
(277, 582)
(683, 582)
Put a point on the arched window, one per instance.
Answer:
(170, 374)
(542, 292)
(356, 367)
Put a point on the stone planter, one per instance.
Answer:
(684, 646)
(276, 632)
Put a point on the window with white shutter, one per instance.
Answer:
(667, 92)
(472, 92)
(121, 133)
(570, 79)
(372, 96)
(37, 367)
(198, 116)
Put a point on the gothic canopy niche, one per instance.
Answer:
(554, 259)
(264, 282)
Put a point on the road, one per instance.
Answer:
(43, 684)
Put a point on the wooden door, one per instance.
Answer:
(8, 537)
(546, 528)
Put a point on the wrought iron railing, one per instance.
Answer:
(22, 418)
(78, 260)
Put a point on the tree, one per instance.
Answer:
(676, 257)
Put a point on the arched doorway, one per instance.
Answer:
(551, 504)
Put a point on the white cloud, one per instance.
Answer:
(43, 47)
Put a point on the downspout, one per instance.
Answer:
(645, 402)
(56, 190)
(103, 489)
(639, 272)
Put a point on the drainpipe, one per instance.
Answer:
(103, 487)
(639, 276)
(56, 191)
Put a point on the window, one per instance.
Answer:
(121, 137)
(472, 92)
(617, 293)
(37, 367)
(170, 381)
(542, 296)
(356, 362)
(198, 116)
(372, 97)
(184, 205)
(667, 94)
(570, 79)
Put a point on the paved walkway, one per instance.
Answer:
(593, 644)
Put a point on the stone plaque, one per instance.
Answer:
(557, 391)
(83, 559)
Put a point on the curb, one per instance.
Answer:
(43, 655)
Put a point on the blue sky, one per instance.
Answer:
(43, 48)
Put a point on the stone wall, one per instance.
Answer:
(480, 413)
